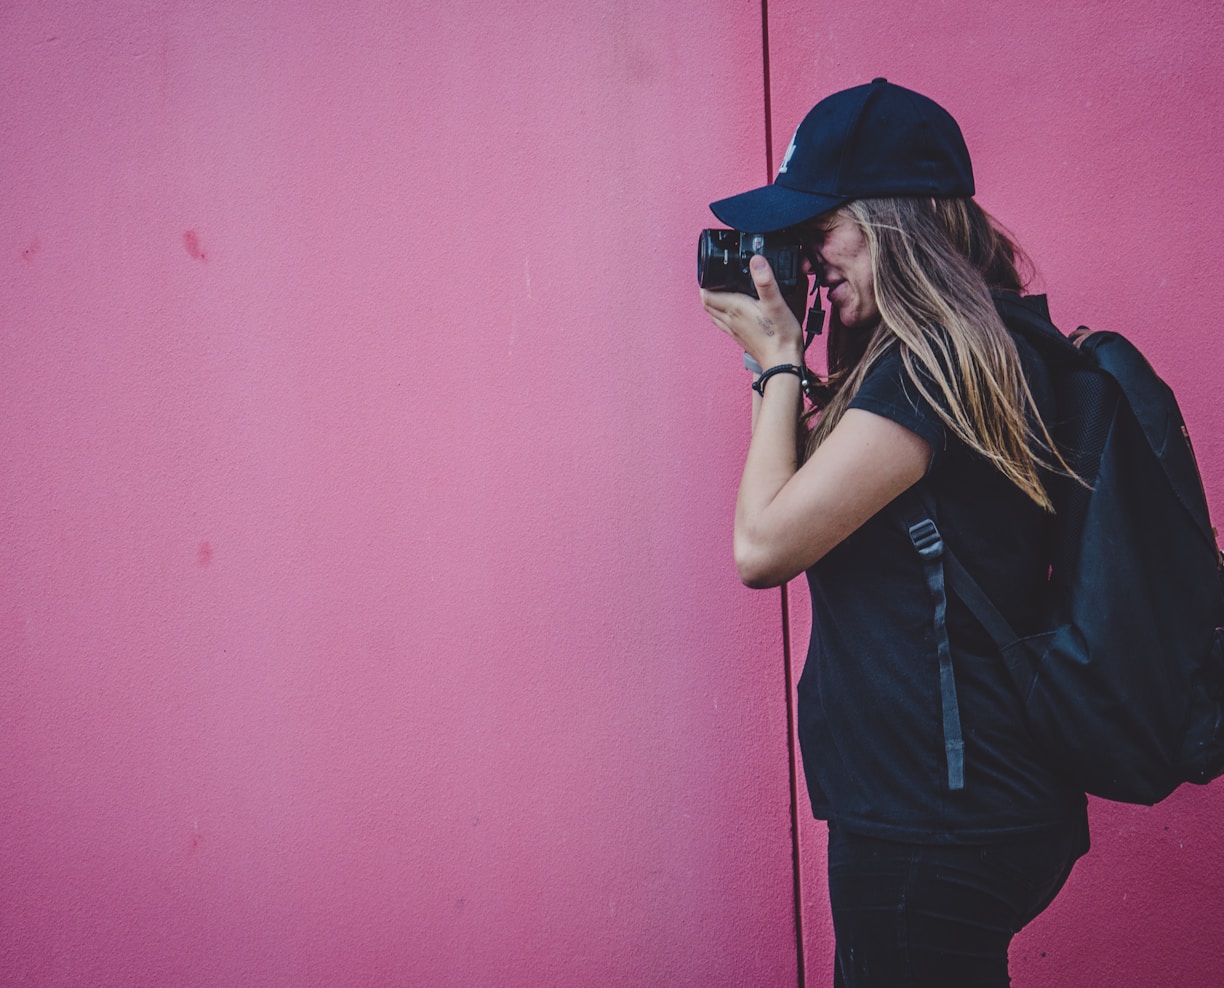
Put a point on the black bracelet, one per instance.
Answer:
(799, 371)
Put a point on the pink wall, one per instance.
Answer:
(1096, 139)
(366, 611)
(366, 605)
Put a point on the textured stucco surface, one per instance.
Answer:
(366, 605)
(1096, 141)
(366, 611)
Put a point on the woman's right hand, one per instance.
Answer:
(765, 328)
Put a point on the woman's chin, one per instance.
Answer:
(854, 319)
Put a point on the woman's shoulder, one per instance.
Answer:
(887, 389)
(1036, 372)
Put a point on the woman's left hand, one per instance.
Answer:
(764, 327)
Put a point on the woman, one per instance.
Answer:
(948, 829)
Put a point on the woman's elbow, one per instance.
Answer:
(758, 568)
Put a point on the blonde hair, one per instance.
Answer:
(934, 262)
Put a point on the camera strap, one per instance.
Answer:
(814, 325)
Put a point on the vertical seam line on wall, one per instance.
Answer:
(796, 870)
(791, 759)
(766, 87)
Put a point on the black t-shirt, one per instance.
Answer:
(869, 704)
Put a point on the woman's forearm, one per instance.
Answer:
(772, 460)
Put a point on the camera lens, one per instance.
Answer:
(713, 259)
(723, 257)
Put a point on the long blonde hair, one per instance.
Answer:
(934, 262)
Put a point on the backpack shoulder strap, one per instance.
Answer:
(924, 534)
(1029, 315)
(920, 518)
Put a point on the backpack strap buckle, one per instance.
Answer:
(926, 539)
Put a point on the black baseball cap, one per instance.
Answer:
(875, 141)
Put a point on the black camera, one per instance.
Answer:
(723, 256)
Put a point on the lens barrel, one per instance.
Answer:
(723, 256)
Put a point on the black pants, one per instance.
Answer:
(916, 915)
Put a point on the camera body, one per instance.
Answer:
(723, 256)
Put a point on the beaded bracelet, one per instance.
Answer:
(799, 371)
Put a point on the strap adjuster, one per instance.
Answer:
(926, 539)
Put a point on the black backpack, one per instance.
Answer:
(1125, 687)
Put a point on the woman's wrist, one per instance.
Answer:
(798, 371)
(782, 355)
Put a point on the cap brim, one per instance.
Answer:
(772, 207)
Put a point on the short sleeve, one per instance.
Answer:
(888, 391)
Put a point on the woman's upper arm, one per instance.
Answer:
(864, 463)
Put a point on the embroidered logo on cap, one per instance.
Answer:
(789, 152)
